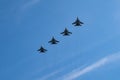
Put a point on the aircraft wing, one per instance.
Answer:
(70, 32)
(77, 25)
(45, 50)
(49, 41)
(38, 50)
(57, 41)
(74, 23)
(81, 22)
(62, 32)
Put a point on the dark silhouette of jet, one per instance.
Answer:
(53, 41)
(42, 50)
(66, 32)
(77, 22)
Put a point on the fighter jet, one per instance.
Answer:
(77, 22)
(66, 32)
(42, 50)
(53, 41)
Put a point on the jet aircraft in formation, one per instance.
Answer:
(42, 50)
(53, 41)
(77, 22)
(64, 33)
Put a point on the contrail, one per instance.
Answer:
(100, 63)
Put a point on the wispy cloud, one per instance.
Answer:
(49, 75)
(24, 7)
(29, 4)
(46, 77)
(77, 73)
(82, 69)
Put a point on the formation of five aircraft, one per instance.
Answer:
(66, 32)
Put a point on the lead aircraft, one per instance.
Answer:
(77, 22)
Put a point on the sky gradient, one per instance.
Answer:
(92, 52)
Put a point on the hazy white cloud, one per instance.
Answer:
(46, 77)
(77, 73)
(49, 75)
(23, 8)
(29, 4)
(82, 69)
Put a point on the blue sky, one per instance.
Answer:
(92, 52)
